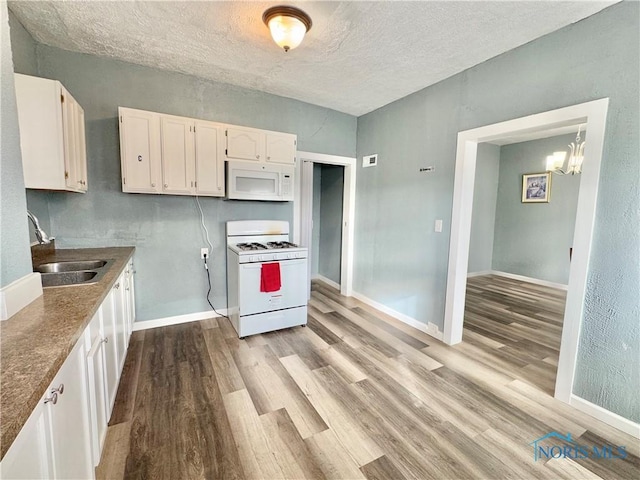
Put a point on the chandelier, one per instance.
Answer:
(555, 162)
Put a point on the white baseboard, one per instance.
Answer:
(18, 294)
(479, 274)
(606, 416)
(430, 329)
(522, 278)
(189, 317)
(326, 280)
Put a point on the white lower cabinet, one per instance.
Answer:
(96, 381)
(68, 412)
(28, 457)
(64, 436)
(111, 364)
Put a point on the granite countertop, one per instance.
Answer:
(36, 341)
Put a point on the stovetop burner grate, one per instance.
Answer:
(251, 246)
(281, 245)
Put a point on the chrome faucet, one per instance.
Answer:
(42, 237)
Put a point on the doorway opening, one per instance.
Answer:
(304, 210)
(326, 233)
(593, 114)
(522, 227)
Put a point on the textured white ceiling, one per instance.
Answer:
(357, 57)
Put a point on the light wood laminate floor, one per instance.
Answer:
(357, 394)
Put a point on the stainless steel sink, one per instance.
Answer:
(76, 272)
(60, 279)
(70, 266)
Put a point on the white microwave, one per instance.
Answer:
(259, 181)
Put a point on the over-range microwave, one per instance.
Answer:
(259, 181)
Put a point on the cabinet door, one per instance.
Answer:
(28, 456)
(81, 148)
(69, 427)
(97, 398)
(177, 155)
(111, 370)
(70, 134)
(209, 161)
(130, 298)
(40, 102)
(140, 151)
(120, 306)
(281, 148)
(245, 144)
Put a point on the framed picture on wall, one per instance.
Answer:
(536, 187)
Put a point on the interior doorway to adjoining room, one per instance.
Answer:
(520, 252)
(304, 210)
(326, 228)
(593, 114)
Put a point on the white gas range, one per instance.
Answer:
(267, 277)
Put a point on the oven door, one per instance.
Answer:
(293, 292)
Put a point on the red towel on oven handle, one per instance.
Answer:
(270, 277)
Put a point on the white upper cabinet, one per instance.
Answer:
(178, 169)
(260, 145)
(245, 144)
(52, 135)
(171, 155)
(140, 151)
(209, 159)
(281, 148)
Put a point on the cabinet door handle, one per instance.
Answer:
(117, 286)
(153, 184)
(268, 158)
(59, 390)
(139, 158)
(258, 157)
(105, 340)
(52, 399)
(166, 185)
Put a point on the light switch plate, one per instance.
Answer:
(438, 226)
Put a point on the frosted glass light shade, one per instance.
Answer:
(288, 25)
(556, 161)
(287, 32)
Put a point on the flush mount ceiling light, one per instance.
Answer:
(288, 25)
(555, 162)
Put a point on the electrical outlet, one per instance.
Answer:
(203, 252)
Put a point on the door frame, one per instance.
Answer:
(303, 209)
(592, 113)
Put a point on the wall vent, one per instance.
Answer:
(370, 161)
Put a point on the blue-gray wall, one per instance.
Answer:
(330, 241)
(533, 239)
(15, 256)
(395, 205)
(165, 230)
(25, 61)
(485, 195)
